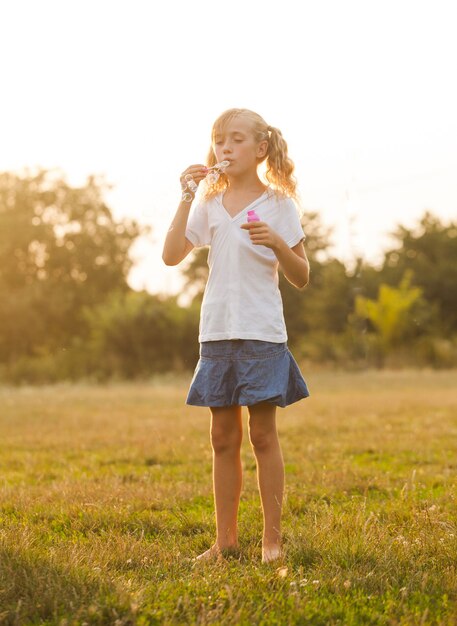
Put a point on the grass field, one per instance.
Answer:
(105, 498)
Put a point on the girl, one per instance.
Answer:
(244, 359)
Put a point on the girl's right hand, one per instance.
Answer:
(198, 173)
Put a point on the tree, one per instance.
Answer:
(60, 251)
(332, 301)
(391, 313)
(430, 253)
(137, 334)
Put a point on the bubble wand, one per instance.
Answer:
(212, 177)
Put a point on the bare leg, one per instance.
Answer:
(270, 474)
(226, 437)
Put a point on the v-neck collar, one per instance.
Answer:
(245, 209)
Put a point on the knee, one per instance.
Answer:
(225, 442)
(261, 440)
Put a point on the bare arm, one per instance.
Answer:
(176, 246)
(293, 263)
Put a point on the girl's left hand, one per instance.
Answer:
(261, 234)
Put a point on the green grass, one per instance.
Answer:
(105, 498)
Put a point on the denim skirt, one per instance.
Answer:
(245, 372)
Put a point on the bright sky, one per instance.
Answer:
(363, 91)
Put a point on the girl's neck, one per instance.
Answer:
(245, 184)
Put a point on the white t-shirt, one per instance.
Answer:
(242, 299)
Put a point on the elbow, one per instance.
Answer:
(303, 283)
(300, 281)
(168, 260)
(299, 284)
(306, 276)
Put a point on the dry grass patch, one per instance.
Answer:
(106, 497)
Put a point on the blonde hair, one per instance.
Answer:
(279, 167)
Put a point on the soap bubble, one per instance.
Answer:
(192, 185)
(212, 178)
(220, 167)
(188, 183)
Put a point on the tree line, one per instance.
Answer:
(68, 313)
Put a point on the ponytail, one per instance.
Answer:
(280, 167)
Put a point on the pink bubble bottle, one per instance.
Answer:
(253, 217)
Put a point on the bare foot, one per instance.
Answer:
(271, 553)
(212, 554)
(215, 553)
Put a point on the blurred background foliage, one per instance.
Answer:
(68, 313)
